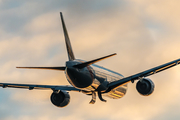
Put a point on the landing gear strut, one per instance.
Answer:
(93, 100)
(100, 96)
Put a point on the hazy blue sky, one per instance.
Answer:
(144, 34)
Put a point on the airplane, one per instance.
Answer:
(91, 79)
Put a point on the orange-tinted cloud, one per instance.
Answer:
(144, 34)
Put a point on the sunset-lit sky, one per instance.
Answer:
(144, 34)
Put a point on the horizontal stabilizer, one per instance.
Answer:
(85, 64)
(48, 68)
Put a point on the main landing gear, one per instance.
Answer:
(93, 100)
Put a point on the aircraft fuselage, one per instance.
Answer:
(88, 79)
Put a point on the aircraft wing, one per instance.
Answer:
(146, 73)
(45, 87)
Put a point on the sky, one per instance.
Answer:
(144, 34)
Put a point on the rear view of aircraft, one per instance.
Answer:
(91, 79)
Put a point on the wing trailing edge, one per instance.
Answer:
(146, 73)
(43, 87)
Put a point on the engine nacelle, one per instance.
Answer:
(60, 99)
(145, 87)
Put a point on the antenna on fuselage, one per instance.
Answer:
(67, 40)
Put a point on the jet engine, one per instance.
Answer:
(145, 87)
(60, 99)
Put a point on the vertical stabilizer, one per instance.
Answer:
(67, 40)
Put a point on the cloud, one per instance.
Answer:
(46, 22)
(143, 33)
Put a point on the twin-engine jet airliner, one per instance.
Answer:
(91, 79)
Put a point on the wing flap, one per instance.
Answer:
(47, 87)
